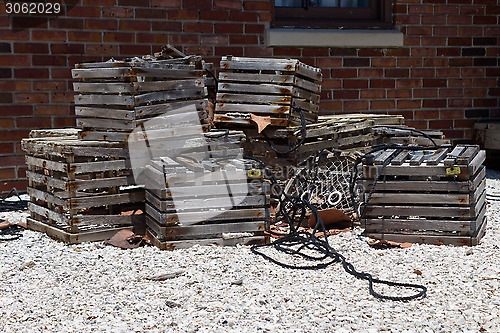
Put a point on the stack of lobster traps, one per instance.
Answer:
(434, 196)
(80, 190)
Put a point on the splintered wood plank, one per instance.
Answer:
(419, 198)
(255, 88)
(422, 211)
(381, 159)
(214, 190)
(121, 72)
(102, 123)
(468, 155)
(310, 72)
(258, 78)
(184, 244)
(417, 159)
(135, 87)
(74, 238)
(305, 105)
(195, 217)
(245, 64)
(254, 99)
(446, 226)
(400, 158)
(122, 100)
(99, 112)
(223, 119)
(307, 85)
(78, 185)
(171, 95)
(77, 167)
(251, 108)
(112, 136)
(205, 230)
(451, 158)
(437, 156)
(170, 107)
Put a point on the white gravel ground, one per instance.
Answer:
(46, 286)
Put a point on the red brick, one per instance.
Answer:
(183, 15)
(484, 20)
(15, 86)
(440, 124)
(183, 39)
(407, 19)
(244, 17)
(460, 62)
(15, 60)
(330, 106)
(420, 9)
(478, 92)
(459, 20)
(33, 122)
(221, 15)
(51, 110)
(198, 50)
(419, 31)
(343, 52)
(166, 3)
(199, 27)
(285, 51)
(447, 72)
(399, 9)
(398, 73)
(31, 98)
(362, 62)
(16, 110)
(246, 39)
(258, 51)
(382, 105)
(7, 173)
(265, 17)
(382, 83)
(470, 31)
(445, 31)
(78, 59)
(64, 122)
(21, 172)
(433, 41)
(372, 93)
(119, 37)
(451, 93)
(423, 114)
(134, 49)
(485, 102)
(409, 104)
(84, 36)
(6, 123)
(493, 10)
(366, 72)
(228, 28)
(355, 106)
(371, 53)
(343, 73)
(29, 73)
(400, 52)
(67, 48)
(12, 159)
(331, 84)
(446, 9)
(103, 49)
(422, 72)
(31, 48)
(229, 50)
(434, 83)
(48, 35)
(166, 26)
(62, 97)
(346, 94)
(228, 4)
(384, 62)
(27, 22)
(425, 93)
(471, 10)
(135, 3)
(467, 123)
(451, 114)
(449, 52)
(118, 12)
(409, 83)
(471, 72)
(484, 82)
(433, 20)
(84, 11)
(399, 93)
(409, 62)
(257, 6)
(46, 60)
(434, 103)
(214, 40)
(151, 13)
(101, 24)
(15, 35)
(20, 185)
(259, 29)
(353, 84)
(99, 2)
(134, 25)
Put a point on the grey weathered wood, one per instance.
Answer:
(311, 107)
(77, 167)
(379, 160)
(120, 72)
(103, 123)
(451, 158)
(256, 99)
(99, 112)
(420, 198)
(135, 87)
(417, 159)
(261, 88)
(437, 156)
(184, 244)
(251, 108)
(258, 78)
(171, 95)
(197, 204)
(400, 158)
(468, 155)
(283, 65)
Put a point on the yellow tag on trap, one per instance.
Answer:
(253, 173)
(453, 171)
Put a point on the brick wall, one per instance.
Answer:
(446, 75)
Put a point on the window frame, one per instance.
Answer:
(334, 17)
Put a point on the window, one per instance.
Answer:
(349, 14)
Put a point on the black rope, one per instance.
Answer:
(12, 232)
(6, 206)
(293, 211)
(215, 79)
(408, 129)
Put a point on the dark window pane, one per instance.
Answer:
(288, 3)
(355, 3)
(324, 3)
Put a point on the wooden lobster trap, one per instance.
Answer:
(266, 87)
(221, 202)
(115, 97)
(80, 190)
(426, 196)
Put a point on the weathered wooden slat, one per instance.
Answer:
(255, 99)
(468, 155)
(400, 158)
(77, 167)
(283, 65)
(437, 156)
(170, 107)
(66, 147)
(120, 72)
(69, 133)
(136, 87)
(110, 136)
(420, 198)
(74, 238)
(203, 231)
(307, 85)
(184, 244)
(251, 108)
(261, 88)
(417, 159)
(451, 158)
(427, 211)
(310, 72)
(198, 204)
(102, 123)
(307, 106)
(122, 100)
(214, 190)
(223, 119)
(98, 112)
(195, 217)
(258, 78)
(379, 160)
(171, 95)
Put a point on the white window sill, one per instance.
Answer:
(334, 38)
